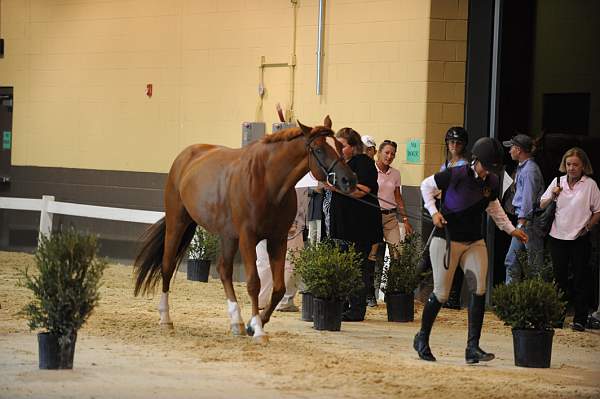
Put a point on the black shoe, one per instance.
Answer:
(421, 345)
(593, 323)
(475, 354)
(577, 327)
(372, 302)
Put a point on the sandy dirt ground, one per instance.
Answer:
(122, 353)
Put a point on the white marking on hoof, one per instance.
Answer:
(235, 313)
(163, 310)
(259, 334)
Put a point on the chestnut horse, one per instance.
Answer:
(244, 195)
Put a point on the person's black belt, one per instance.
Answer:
(388, 211)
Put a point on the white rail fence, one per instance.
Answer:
(49, 207)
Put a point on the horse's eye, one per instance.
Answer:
(318, 150)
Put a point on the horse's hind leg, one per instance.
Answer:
(277, 250)
(225, 267)
(177, 221)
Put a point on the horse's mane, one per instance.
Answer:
(282, 135)
(289, 134)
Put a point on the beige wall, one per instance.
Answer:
(392, 69)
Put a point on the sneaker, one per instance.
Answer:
(372, 302)
(577, 327)
(593, 323)
(288, 308)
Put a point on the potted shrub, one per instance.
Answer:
(531, 307)
(65, 291)
(401, 278)
(202, 251)
(330, 275)
(306, 313)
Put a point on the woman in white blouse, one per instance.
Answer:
(577, 212)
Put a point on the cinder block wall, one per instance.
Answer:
(392, 69)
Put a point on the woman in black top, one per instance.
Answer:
(355, 223)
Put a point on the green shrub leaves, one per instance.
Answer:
(204, 245)
(327, 271)
(65, 284)
(402, 276)
(533, 303)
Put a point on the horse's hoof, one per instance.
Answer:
(166, 326)
(261, 339)
(250, 330)
(238, 329)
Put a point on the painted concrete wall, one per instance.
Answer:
(392, 68)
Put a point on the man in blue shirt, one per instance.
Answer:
(529, 187)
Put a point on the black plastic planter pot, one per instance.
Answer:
(307, 306)
(52, 355)
(327, 315)
(198, 270)
(400, 307)
(533, 348)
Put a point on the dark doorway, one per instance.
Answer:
(532, 68)
(567, 113)
(6, 112)
(514, 101)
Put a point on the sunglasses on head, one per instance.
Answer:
(390, 142)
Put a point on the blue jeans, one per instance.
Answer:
(535, 254)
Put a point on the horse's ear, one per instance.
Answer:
(305, 129)
(327, 122)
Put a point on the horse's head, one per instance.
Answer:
(324, 159)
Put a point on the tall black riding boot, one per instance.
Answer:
(421, 342)
(473, 353)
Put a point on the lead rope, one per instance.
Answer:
(446, 230)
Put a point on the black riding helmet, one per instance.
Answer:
(457, 133)
(489, 152)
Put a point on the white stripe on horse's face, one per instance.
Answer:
(331, 141)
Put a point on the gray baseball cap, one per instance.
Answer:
(520, 140)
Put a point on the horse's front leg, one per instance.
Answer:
(248, 252)
(277, 250)
(228, 249)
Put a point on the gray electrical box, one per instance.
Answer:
(277, 126)
(252, 131)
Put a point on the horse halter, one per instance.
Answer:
(317, 153)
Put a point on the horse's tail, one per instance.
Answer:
(148, 264)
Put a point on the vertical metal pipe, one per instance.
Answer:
(493, 129)
(320, 46)
(496, 49)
